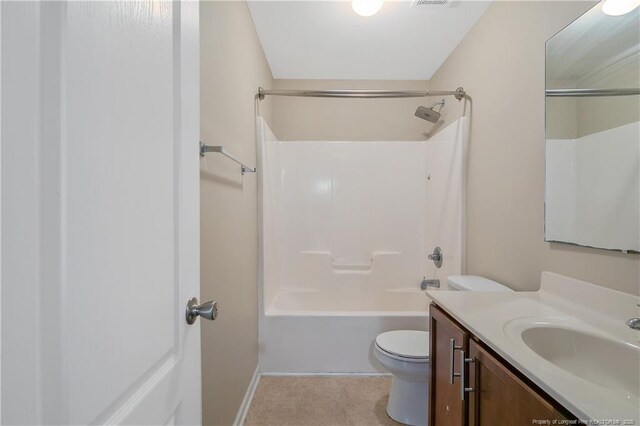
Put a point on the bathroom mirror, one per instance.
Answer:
(592, 195)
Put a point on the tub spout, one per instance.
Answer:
(429, 283)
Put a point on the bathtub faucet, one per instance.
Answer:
(429, 283)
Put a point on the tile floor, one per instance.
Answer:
(320, 400)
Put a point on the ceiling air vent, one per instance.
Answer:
(421, 3)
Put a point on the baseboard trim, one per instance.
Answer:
(323, 374)
(248, 397)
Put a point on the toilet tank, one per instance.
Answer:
(473, 283)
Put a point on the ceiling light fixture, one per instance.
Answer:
(366, 7)
(619, 7)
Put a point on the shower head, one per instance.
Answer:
(427, 114)
(430, 114)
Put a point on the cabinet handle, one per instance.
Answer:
(452, 349)
(463, 361)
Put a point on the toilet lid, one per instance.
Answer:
(405, 343)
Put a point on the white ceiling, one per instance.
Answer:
(327, 40)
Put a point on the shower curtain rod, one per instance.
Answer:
(580, 93)
(459, 93)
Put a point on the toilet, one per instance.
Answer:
(405, 354)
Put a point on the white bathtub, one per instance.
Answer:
(329, 332)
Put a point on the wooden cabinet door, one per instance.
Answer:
(499, 397)
(446, 408)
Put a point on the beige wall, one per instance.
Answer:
(231, 69)
(349, 119)
(501, 65)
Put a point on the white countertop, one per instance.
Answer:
(495, 318)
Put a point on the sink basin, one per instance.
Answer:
(614, 365)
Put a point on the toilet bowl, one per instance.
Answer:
(405, 354)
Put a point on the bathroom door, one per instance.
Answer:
(99, 204)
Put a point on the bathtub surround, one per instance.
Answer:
(346, 229)
(232, 67)
(355, 220)
(501, 64)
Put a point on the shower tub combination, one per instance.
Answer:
(346, 228)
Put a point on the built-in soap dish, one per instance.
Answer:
(352, 264)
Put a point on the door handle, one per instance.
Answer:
(452, 350)
(208, 310)
(463, 361)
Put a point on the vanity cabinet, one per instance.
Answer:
(482, 389)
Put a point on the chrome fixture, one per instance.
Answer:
(634, 323)
(429, 283)
(581, 93)
(452, 350)
(430, 114)
(436, 256)
(462, 374)
(208, 310)
(463, 361)
(459, 93)
(217, 148)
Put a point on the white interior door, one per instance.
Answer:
(100, 226)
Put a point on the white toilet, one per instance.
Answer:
(405, 354)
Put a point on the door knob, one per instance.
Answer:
(208, 310)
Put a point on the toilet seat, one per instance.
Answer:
(405, 345)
